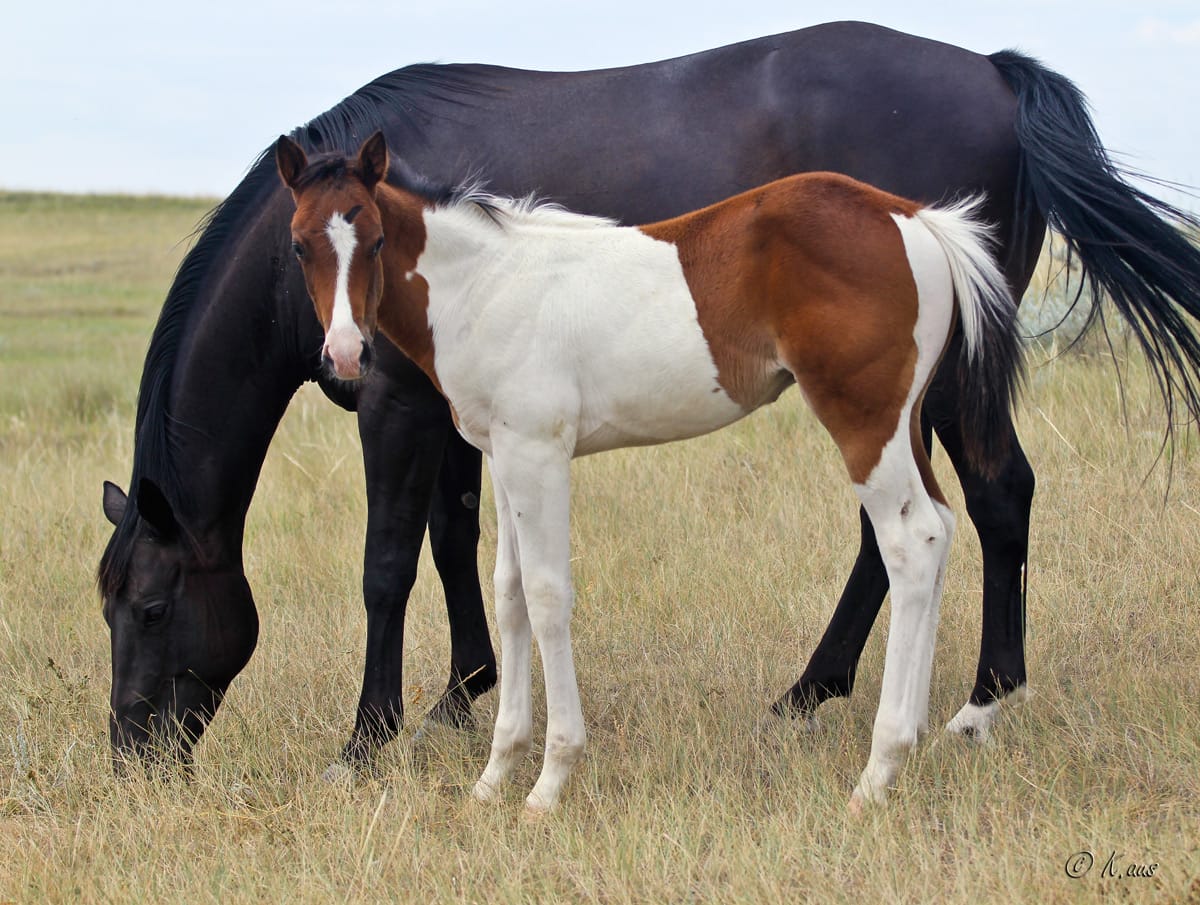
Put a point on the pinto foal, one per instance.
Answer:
(555, 335)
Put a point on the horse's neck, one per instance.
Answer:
(243, 358)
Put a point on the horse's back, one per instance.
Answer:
(642, 143)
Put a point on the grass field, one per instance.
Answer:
(705, 574)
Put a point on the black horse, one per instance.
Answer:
(237, 334)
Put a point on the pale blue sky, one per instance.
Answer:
(180, 98)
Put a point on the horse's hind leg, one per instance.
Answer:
(832, 668)
(1000, 510)
(913, 528)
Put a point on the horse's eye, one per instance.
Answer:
(375, 249)
(298, 249)
(154, 613)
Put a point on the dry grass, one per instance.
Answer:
(705, 571)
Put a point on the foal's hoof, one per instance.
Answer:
(484, 793)
(535, 809)
(865, 796)
(857, 804)
(451, 711)
(860, 802)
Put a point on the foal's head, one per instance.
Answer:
(337, 234)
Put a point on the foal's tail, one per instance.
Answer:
(1135, 249)
(990, 362)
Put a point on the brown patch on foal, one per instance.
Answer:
(809, 278)
(404, 317)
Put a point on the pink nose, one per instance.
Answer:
(346, 353)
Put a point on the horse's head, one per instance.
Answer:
(337, 235)
(181, 628)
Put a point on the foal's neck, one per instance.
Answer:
(403, 308)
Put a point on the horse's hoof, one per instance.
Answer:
(444, 718)
(338, 774)
(452, 713)
(771, 724)
(975, 721)
(243, 794)
(424, 730)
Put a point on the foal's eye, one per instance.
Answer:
(375, 249)
(298, 249)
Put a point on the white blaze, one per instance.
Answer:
(343, 339)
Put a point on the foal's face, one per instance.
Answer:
(337, 237)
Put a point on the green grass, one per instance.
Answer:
(705, 574)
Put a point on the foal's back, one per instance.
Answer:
(636, 335)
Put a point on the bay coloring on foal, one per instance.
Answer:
(555, 335)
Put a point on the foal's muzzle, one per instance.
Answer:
(347, 357)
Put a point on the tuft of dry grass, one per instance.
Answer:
(705, 574)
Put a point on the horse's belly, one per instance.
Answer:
(642, 413)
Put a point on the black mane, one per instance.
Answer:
(393, 102)
(336, 165)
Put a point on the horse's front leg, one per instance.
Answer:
(403, 426)
(454, 541)
(535, 476)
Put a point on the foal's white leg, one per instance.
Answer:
(914, 539)
(536, 480)
(514, 715)
(948, 522)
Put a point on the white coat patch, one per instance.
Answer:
(605, 310)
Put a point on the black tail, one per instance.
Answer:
(1133, 248)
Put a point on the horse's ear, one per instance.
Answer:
(154, 508)
(291, 160)
(373, 160)
(115, 502)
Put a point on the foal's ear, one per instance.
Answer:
(114, 502)
(373, 160)
(291, 160)
(154, 507)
